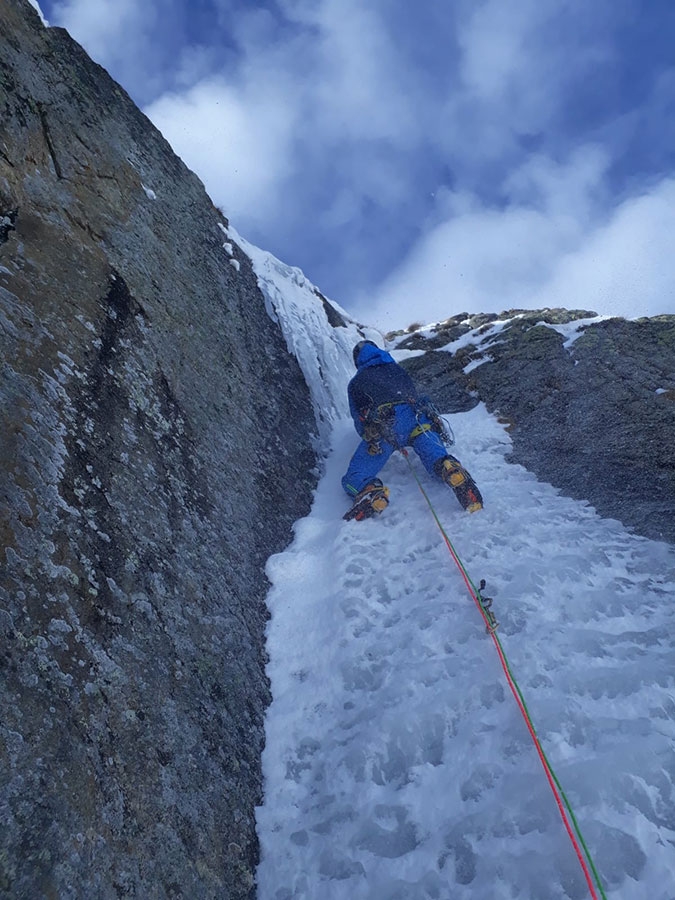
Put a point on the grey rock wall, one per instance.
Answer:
(154, 450)
(596, 420)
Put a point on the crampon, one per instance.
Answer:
(369, 502)
(465, 488)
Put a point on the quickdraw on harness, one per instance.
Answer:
(439, 423)
(484, 605)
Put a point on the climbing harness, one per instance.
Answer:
(379, 415)
(484, 605)
(382, 416)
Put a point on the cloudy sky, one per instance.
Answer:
(420, 160)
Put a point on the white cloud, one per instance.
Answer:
(357, 90)
(559, 249)
(237, 140)
(318, 99)
(574, 188)
(123, 36)
(625, 267)
(107, 29)
(327, 121)
(518, 64)
(496, 44)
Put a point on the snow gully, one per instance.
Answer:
(484, 606)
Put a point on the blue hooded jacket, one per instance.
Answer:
(379, 379)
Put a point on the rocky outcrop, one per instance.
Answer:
(150, 464)
(595, 419)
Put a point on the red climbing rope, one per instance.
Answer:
(558, 793)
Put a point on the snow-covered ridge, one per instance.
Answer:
(486, 339)
(36, 6)
(487, 335)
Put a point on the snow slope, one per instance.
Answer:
(397, 763)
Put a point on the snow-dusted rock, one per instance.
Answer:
(580, 395)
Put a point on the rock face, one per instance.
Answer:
(150, 464)
(596, 419)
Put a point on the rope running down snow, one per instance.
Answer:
(556, 788)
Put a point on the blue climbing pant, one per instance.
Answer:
(364, 466)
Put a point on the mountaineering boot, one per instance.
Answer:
(465, 488)
(370, 501)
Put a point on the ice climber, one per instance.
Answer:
(389, 414)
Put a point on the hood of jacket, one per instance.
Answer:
(371, 355)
